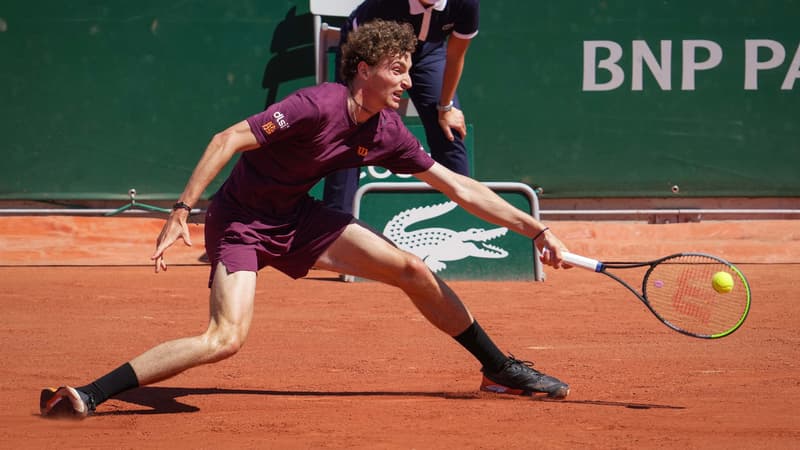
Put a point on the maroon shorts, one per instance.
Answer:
(243, 241)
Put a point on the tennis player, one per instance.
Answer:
(444, 29)
(263, 216)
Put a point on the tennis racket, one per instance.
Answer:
(678, 290)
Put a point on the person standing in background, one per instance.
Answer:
(444, 29)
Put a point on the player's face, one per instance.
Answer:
(388, 80)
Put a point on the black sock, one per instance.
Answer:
(479, 344)
(118, 380)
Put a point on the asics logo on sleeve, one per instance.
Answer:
(362, 151)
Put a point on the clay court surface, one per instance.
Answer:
(335, 365)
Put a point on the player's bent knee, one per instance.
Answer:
(415, 272)
(226, 349)
(224, 345)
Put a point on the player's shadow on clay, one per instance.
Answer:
(165, 400)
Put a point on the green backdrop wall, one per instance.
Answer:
(582, 98)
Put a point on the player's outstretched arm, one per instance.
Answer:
(220, 150)
(482, 202)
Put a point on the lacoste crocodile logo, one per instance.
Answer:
(437, 245)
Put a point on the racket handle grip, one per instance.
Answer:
(582, 261)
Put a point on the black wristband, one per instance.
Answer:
(181, 205)
(540, 233)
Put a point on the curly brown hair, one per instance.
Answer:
(374, 41)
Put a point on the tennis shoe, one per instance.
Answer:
(518, 377)
(66, 402)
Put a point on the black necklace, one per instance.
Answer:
(354, 113)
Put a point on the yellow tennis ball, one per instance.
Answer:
(722, 282)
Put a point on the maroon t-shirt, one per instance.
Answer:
(308, 135)
(263, 214)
